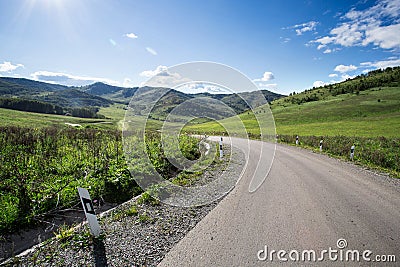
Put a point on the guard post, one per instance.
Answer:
(87, 205)
(221, 153)
(352, 152)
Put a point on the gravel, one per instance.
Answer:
(133, 234)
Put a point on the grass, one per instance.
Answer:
(10, 117)
(348, 115)
(371, 113)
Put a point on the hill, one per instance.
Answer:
(368, 105)
(23, 87)
(33, 96)
(114, 93)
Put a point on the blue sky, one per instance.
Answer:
(284, 46)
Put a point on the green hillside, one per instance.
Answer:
(368, 105)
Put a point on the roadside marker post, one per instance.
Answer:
(320, 145)
(297, 140)
(89, 211)
(221, 154)
(352, 152)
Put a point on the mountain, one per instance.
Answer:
(22, 87)
(33, 96)
(115, 93)
(99, 94)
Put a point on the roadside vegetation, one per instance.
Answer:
(41, 168)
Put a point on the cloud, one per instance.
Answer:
(382, 64)
(68, 79)
(346, 76)
(127, 83)
(198, 87)
(161, 77)
(8, 66)
(304, 27)
(151, 51)
(343, 68)
(131, 35)
(151, 73)
(385, 37)
(268, 86)
(318, 84)
(378, 25)
(266, 77)
(327, 51)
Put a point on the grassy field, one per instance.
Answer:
(9, 117)
(370, 113)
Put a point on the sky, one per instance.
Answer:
(282, 46)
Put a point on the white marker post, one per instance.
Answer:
(352, 152)
(221, 154)
(320, 145)
(89, 211)
(297, 140)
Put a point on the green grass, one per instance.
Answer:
(9, 117)
(348, 115)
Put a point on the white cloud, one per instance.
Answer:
(385, 37)
(127, 83)
(68, 79)
(151, 73)
(151, 51)
(131, 35)
(199, 87)
(267, 76)
(8, 66)
(378, 25)
(343, 68)
(332, 75)
(382, 64)
(346, 76)
(161, 77)
(318, 84)
(268, 86)
(304, 27)
(321, 46)
(327, 51)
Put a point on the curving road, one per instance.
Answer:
(308, 202)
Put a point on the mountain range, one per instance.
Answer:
(18, 93)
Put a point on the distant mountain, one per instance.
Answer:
(115, 93)
(74, 98)
(28, 95)
(21, 87)
(163, 100)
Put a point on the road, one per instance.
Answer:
(308, 202)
